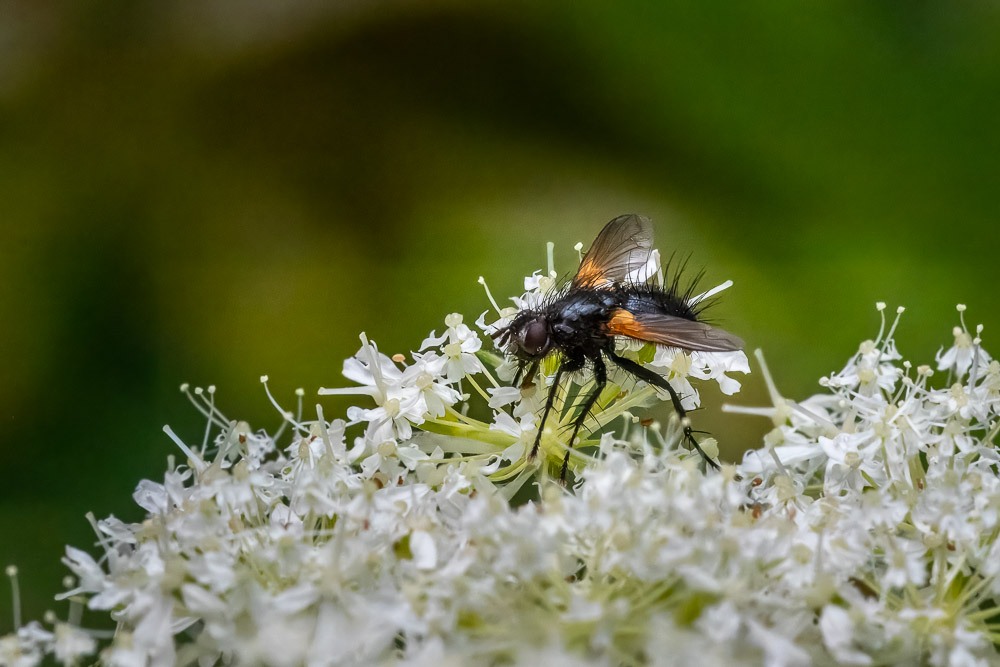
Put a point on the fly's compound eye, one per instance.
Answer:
(534, 337)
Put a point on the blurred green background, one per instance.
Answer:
(207, 191)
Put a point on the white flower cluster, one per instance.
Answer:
(863, 532)
(889, 488)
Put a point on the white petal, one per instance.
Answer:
(423, 549)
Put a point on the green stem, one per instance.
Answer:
(460, 430)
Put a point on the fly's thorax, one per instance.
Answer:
(579, 319)
(580, 305)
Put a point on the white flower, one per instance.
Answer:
(715, 365)
(960, 356)
(851, 461)
(504, 395)
(71, 643)
(838, 635)
(374, 370)
(424, 550)
(89, 574)
(905, 563)
(398, 405)
(26, 647)
(864, 530)
(721, 621)
(459, 345)
(679, 364)
(523, 430)
(779, 650)
(869, 370)
(426, 375)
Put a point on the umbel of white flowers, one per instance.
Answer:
(863, 531)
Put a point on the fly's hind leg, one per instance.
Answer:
(658, 380)
(600, 380)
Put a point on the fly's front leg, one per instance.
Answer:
(545, 413)
(600, 380)
(658, 380)
(523, 379)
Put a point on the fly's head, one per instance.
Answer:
(527, 338)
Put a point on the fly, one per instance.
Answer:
(602, 303)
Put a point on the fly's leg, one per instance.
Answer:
(522, 379)
(570, 365)
(545, 413)
(600, 380)
(658, 380)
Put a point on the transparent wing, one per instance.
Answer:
(622, 246)
(673, 331)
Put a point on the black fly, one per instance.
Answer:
(601, 303)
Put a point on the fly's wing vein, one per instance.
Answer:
(672, 331)
(623, 246)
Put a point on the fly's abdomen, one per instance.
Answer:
(652, 299)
